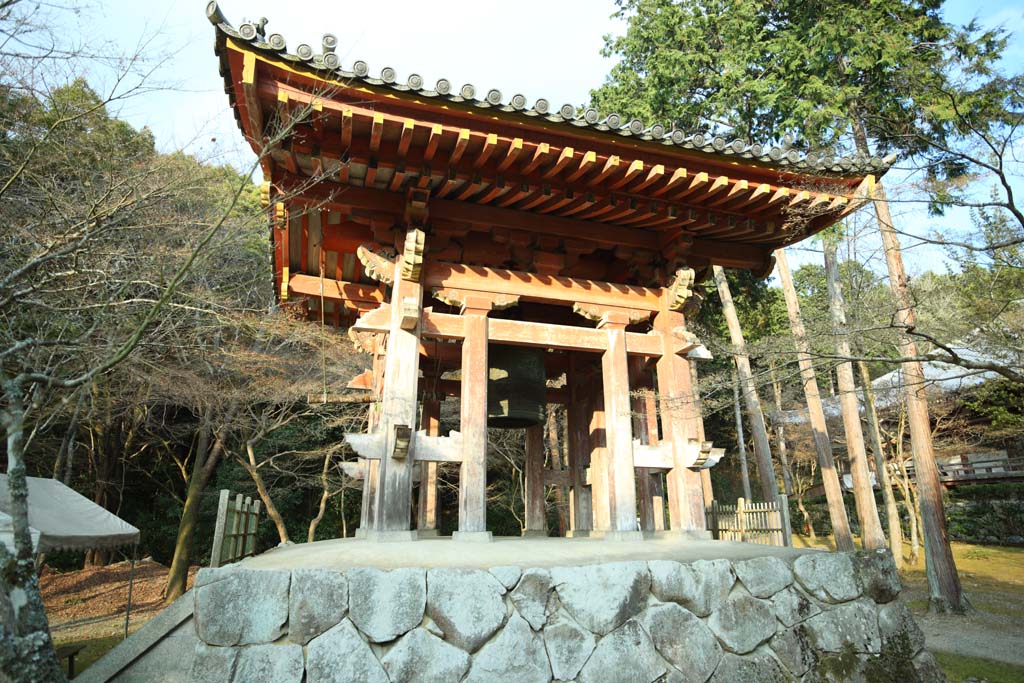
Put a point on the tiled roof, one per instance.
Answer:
(327, 63)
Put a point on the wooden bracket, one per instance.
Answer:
(378, 262)
(362, 340)
(412, 254)
(458, 297)
(686, 340)
(418, 445)
(681, 289)
(652, 457)
(604, 315)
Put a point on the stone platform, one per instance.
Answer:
(533, 611)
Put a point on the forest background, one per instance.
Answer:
(146, 364)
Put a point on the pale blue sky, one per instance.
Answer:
(542, 48)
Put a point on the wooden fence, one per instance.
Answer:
(763, 523)
(234, 536)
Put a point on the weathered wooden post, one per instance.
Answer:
(536, 514)
(473, 406)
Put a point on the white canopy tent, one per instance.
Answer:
(62, 519)
(59, 518)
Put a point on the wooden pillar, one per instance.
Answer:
(371, 468)
(473, 418)
(707, 491)
(426, 513)
(393, 512)
(578, 425)
(641, 427)
(536, 516)
(618, 429)
(677, 420)
(600, 498)
(656, 478)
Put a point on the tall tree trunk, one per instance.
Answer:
(780, 433)
(863, 494)
(762, 451)
(268, 503)
(741, 441)
(822, 443)
(26, 648)
(322, 507)
(944, 589)
(892, 513)
(208, 451)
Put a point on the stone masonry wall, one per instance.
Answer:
(824, 617)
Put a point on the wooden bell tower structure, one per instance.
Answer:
(436, 223)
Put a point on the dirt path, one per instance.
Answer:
(994, 630)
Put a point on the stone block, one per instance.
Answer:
(682, 639)
(568, 645)
(508, 575)
(242, 607)
(317, 601)
(742, 623)
(515, 654)
(212, 664)
(895, 620)
(793, 647)
(853, 625)
(467, 604)
(763, 577)
(274, 663)
(699, 587)
(927, 668)
(419, 657)
(602, 597)
(530, 597)
(341, 654)
(626, 655)
(830, 577)
(877, 574)
(793, 607)
(759, 667)
(404, 591)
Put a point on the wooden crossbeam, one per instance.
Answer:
(361, 296)
(518, 333)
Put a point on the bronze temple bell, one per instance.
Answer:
(516, 387)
